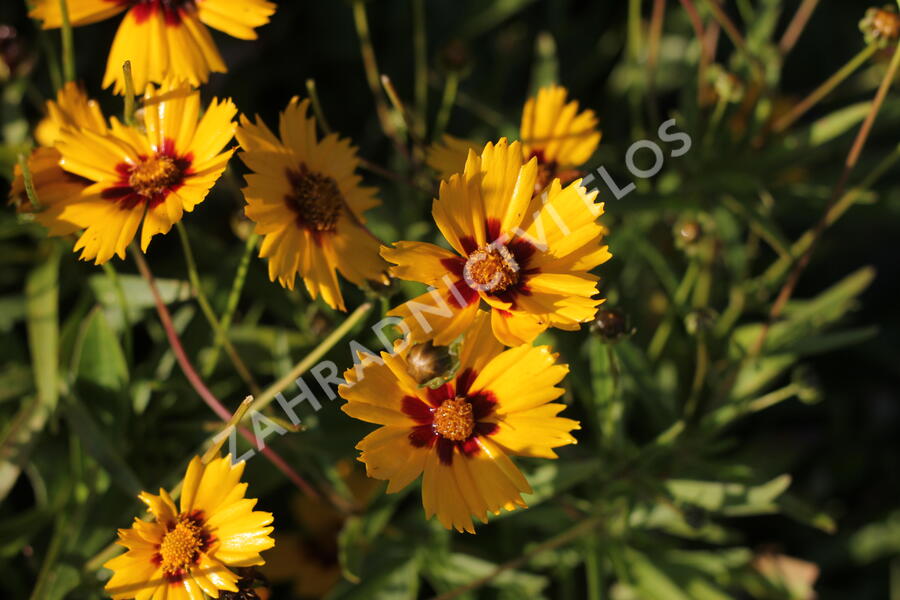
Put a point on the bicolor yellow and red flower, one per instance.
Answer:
(460, 435)
(162, 38)
(307, 202)
(553, 130)
(189, 550)
(527, 257)
(145, 177)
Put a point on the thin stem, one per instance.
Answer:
(656, 26)
(206, 308)
(797, 25)
(583, 528)
(787, 290)
(234, 296)
(317, 105)
(420, 54)
(116, 283)
(68, 46)
(28, 182)
(371, 68)
(408, 119)
(129, 93)
(388, 174)
(197, 383)
(635, 41)
(697, 24)
(736, 37)
(823, 90)
(448, 98)
(266, 397)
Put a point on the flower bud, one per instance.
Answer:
(881, 25)
(610, 324)
(426, 362)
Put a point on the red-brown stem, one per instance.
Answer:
(797, 25)
(787, 290)
(197, 382)
(697, 23)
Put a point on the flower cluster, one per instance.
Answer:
(522, 240)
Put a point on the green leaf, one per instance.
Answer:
(100, 448)
(448, 572)
(357, 538)
(41, 306)
(729, 498)
(98, 358)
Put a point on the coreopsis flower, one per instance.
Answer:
(74, 110)
(448, 156)
(306, 200)
(526, 257)
(190, 550)
(163, 38)
(149, 175)
(552, 129)
(460, 435)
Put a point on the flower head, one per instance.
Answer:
(72, 110)
(150, 175)
(525, 256)
(552, 130)
(163, 38)
(190, 550)
(461, 434)
(306, 200)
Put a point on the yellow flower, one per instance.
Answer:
(448, 156)
(163, 38)
(553, 130)
(71, 109)
(525, 256)
(189, 551)
(556, 133)
(306, 199)
(149, 175)
(460, 435)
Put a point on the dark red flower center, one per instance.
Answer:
(185, 539)
(150, 179)
(315, 198)
(499, 269)
(452, 418)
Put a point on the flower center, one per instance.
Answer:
(491, 269)
(453, 419)
(152, 176)
(181, 545)
(315, 198)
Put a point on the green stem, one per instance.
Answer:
(317, 105)
(371, 68)
(823, 90)
(48, 571)
(592, 567)
(129, 94)
(113, 277)
(448, 99)
(421, 66)
(234, 296)
(68, 47)
(207, 310)
(266, 397)
(28, 181)
(658, 343)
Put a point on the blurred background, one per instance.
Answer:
(126, 418)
